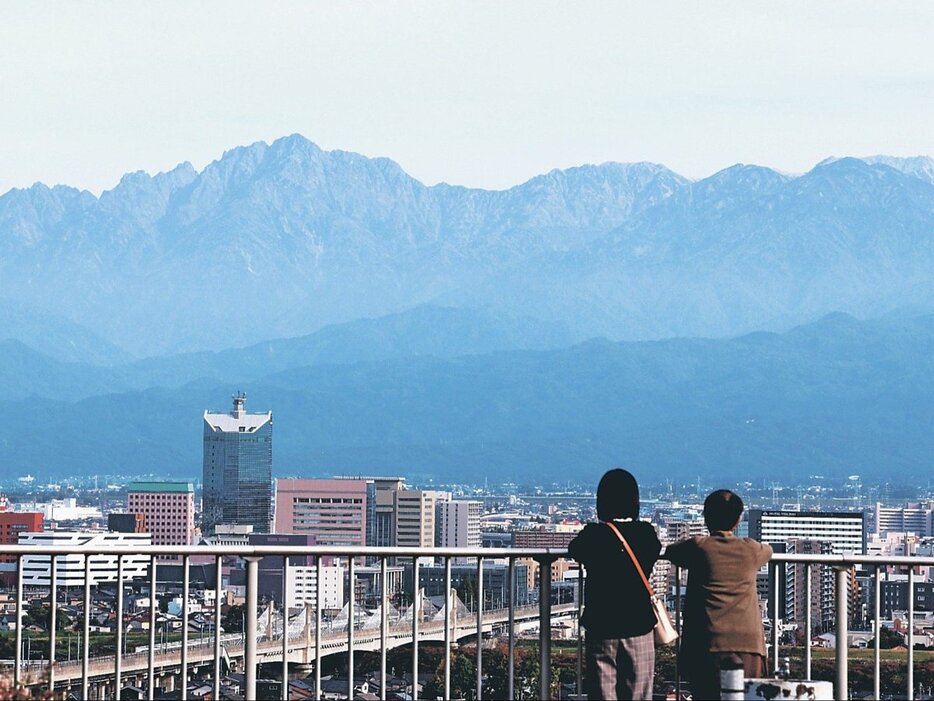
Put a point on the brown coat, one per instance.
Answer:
(721, 609)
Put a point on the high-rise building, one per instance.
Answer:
(917, 518)
(237, 468)
(381, 511)
(168, 509)
(334, 511)
(458, 524)
(415, 516)
(843, 530)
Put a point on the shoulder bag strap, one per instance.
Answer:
(632, 555)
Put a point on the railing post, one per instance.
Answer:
(18, 654)
(911, 633)
(678, 628)
(218, 585)
(85, 661)
(775, 603)
(511, 663)
(842, 613)
(579, 687)
(118, 657)
(351, 614)
(153, 583)
(448, 619)
(318, 694)
(249, 642)
(186, 583)
(53, 622)
(807, 620)
(479, 669)
(416, 607)
(876, 647)
(383, 602)
(544, 619)
(285, 628)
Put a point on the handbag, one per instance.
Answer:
(665, 633)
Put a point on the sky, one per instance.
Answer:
(483, 94)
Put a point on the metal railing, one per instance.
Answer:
(112, 670)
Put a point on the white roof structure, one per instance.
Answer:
(237, 420)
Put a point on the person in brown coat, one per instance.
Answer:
(722, 623)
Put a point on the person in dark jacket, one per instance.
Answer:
(618, 615)
(722, 622)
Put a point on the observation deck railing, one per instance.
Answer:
(51, 673)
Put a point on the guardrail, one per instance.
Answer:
(251, 555)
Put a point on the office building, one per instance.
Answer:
(168, 509)
(844, 531)
(12, 524)
(334, 511)
(917, 518)
(415, 516)
(37, 570)
(381, 510)
(542, 538)
(237, 468)
(458, 524)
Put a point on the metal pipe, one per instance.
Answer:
(578, 686)
(678, 628)
(318, 694)
(186, 583)
(842, 576)
(18, 655)
(85, 661)
(351, 621)
(383, 603)
(53, 622)
(218, 585)
(416, 607)
(807, 620)
(876, 647)
(511, 663)
(285, 629)
(544, 622)
(479, 669)
(151, 693)
(911, 633)
(775, 624)
(448, 619)
(249, 643)
(118, 657)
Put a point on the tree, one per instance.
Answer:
(888, 639)
(232, 621)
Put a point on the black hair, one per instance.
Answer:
(617, 496)
(722, 510)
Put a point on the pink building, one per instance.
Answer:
(334, 511)
(169, 508)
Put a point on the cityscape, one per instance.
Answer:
(236, 504)
(483, 351)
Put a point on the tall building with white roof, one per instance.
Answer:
(458, 524)
(237, 468)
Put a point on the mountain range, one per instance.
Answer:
(836, 397)
(280, 240)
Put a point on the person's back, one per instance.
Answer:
(722, 622)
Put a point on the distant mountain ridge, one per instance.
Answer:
(282, 239)
(835, 397)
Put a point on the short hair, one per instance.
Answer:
(617, 496)
(722, 510)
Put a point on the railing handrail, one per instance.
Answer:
(840, 560)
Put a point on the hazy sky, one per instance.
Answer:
(472, 93)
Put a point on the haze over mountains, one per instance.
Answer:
(546, 331)
(280, 240)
